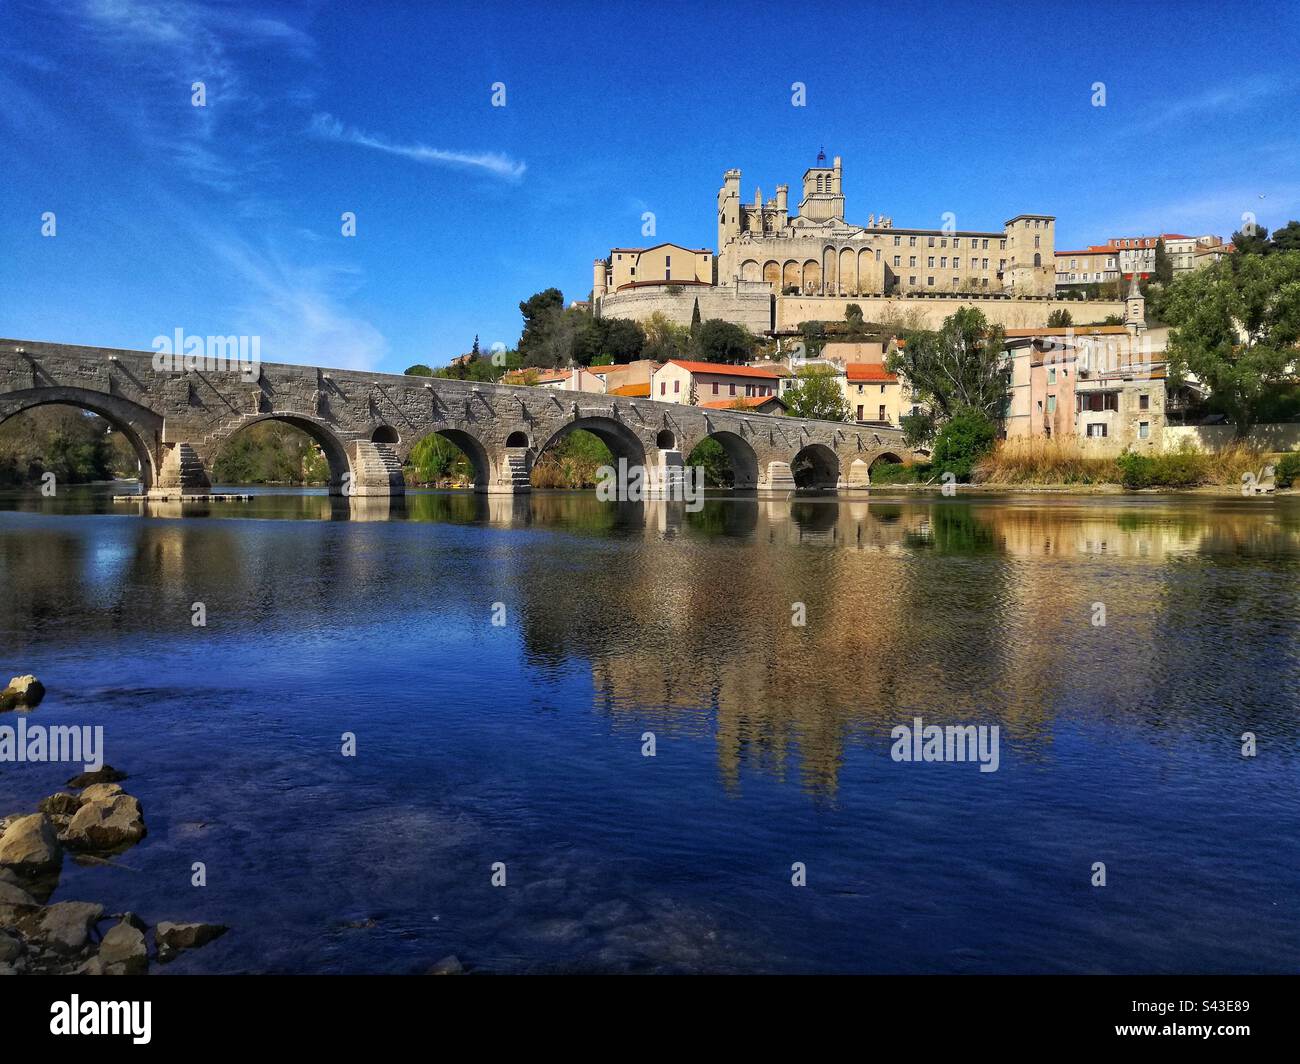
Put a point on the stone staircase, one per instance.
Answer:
(516, 471)
(376, 468)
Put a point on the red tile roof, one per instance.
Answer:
(870, 371)
(743, 401)
(723, 369)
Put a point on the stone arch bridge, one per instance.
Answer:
(177, 420)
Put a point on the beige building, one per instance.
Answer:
(816, 252)
(697, 383)
(661, 265)
(630, 378)
(874, 394)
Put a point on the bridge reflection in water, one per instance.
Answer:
(976, 609)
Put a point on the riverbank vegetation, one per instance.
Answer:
(76, 446)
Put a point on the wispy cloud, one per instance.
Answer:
(1222, 100)
(327, 127)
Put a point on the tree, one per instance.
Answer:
(1059, 319)
(1287, 238)
(963, 440)
(622, 338)
(664, 338)
(1253, 240)
(814, 338)
(1235, 328)
(419, 370)
(959, 366)
(1164, 268)
(541, 314)
(474, 350)
(723, 341)
(695, 318)
(817, 395)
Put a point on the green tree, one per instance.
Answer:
(1164, 268)
(622, 338)
(817, 395)
(712, 456)
(695, 318)
(814, 338)
(1059, 319)
(434, 459)
(664, 338)
(541, 313)
(1235, 328)
(723, 341)
(419, 370)
(1253, 240)
(959, 366)
(1287, 238)
(962, 441)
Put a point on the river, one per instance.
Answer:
(522, 743)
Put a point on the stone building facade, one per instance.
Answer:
(817, 252)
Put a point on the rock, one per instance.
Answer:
(12, 894)
(106, 825)
(28, 689)
(65, 925)
(124, 947)
(447, 966)
(186, 936)
(30, 846)
(99, 792)
(107, 774)
(60, 804)
(11, 948)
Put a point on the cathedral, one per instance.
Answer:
(816, 252)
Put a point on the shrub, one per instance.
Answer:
(1040, 460)
(1182, 469)
(962, 441)
(1287, 469)
(899, 472)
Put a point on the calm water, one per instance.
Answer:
(522, 744)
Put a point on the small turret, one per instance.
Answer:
(1135, 307)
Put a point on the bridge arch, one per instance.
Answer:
(385, 434)
(621, 440)
(472, 447)
(140, 426)
(741, 456)
(330, 443)
(816, 468)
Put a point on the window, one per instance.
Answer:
(898, 260)
(898, 241)
(931, 242)
(733, 388)
(930, 261)
(956, 241)
(663, 387)
(677, 387)
(911, 241)
(911, 260)
(929, 281)
(985, 246)
(1051, 404)
(859, 389)
(715, 387)
(668, 266)
(912, 279)
(1097, 431)
(1051, 374)
(882, 413)
(1144, 429)
(1144, 401)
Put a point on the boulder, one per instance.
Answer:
(100, 792)
(65, 926)
(123, 950)
(106, 825)
(170, 936)
(61, 804)
(447, 966)
(30, 846)
(11, 948)
(12, 894)
(28, 688)
(107, 774)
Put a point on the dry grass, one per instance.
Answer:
(1037, 460)
(1230, 464)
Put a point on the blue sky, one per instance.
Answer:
(226, 218)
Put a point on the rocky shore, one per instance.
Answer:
(94, 824)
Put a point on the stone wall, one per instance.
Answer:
(931, 310)
(1277, 437)
(744, 304)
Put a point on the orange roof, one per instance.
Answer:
(747, 401)
(632, 390)
(870, 371)
(723, 369)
